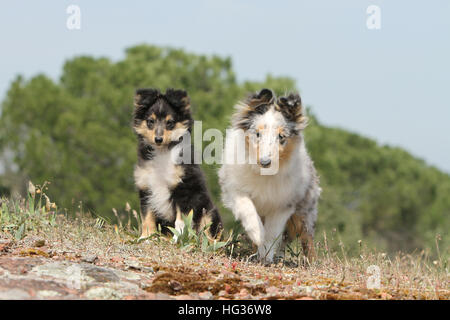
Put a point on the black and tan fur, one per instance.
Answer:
(168, 189)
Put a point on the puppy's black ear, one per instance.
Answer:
(145, 97)
(265, 96)
(179, 99)
(291, 107)
(292, 101)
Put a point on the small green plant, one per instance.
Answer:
(100, 222)
(294, 249)
(188, 238)
(17, 217)
(238, 244)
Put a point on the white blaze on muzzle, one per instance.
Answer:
(268, 151)
(266, 128)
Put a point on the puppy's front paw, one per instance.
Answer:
(256, 233)
(179, 225)
(265, 254)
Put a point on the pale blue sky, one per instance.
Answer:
(391, 84)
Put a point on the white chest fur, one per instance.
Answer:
(159, 175)
(272, 193)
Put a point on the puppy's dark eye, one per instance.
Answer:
(170, 124)
(257, 134)
(282, 138)
(150, 123)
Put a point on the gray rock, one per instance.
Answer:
(91, 258)
(47, 294)
(205, 295)
(73, 272)
(14, 294)
(100, 274)
(57, 270)
(103, 293)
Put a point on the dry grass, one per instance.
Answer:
(226, 273)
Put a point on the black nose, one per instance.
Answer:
(158, 140)
(265, 162)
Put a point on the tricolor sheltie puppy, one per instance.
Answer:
(283, 198)
(168, 187)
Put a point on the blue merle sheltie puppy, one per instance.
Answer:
(280, 204)
(169, 186)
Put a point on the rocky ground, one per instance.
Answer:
(84, 262)
(47, 254)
